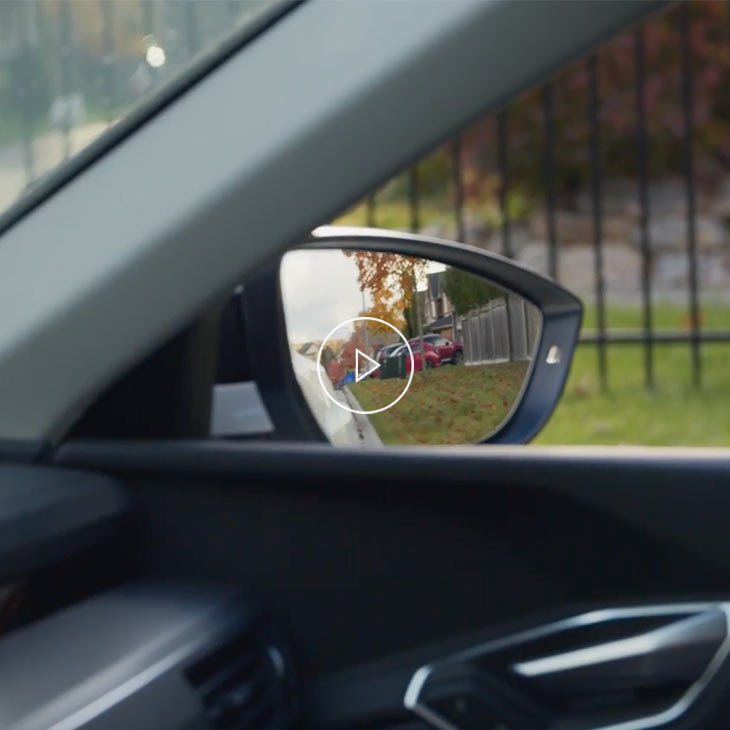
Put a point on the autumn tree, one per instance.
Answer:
(709, 41)
(335, 371)
(390, 280)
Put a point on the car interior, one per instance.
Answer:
(157, 571)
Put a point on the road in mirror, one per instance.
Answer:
(393, 350)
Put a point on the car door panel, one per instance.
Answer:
(379, 563)
(369, 555)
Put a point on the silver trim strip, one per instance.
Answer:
(105, 702)
(677, 635)
(412, 698)
(94, 708)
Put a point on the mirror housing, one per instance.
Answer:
(269, 347)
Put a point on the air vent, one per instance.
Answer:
(243, 683)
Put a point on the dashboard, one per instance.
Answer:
(148, 655)
(144, 653)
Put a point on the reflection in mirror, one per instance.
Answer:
(392, 349)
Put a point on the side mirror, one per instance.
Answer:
(350, 354)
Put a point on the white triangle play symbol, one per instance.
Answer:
(368, 360)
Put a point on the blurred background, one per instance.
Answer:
(614, 178)
(71, 68)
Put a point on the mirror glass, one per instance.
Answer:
(394, 350)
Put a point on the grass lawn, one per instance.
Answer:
(396, 214)
(665, 315)
(452, 404)
(448, 405)
(674, 414)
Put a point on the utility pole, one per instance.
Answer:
(365, 323)
(419, 320)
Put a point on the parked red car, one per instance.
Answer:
(448, 351)
(432, 357)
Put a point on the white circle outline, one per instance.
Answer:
(320, 368)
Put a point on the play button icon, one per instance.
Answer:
(363, 360)
(340, 344)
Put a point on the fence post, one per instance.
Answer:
(24, 81)
(370, 210)
(642, 155)
(547, 103)
(593, 118)
(191, 27)
(458, 191)
(66, 60)
(413, 201)
(685, 20)
(106, 7)
(503, 164)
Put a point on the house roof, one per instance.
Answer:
(446, 321)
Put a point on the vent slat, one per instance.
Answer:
(251, 717)
(243, 669)
(229, 652)
(235, 683)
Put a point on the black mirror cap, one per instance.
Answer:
(562, 313)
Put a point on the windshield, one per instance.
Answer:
(69, 69)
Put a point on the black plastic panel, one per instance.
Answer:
(381, 561)
(370, 554)
(21, 451)
(47, 515)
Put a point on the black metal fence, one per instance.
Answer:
(602, 336)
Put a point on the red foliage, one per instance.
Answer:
(336, 371)
(356, 342)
